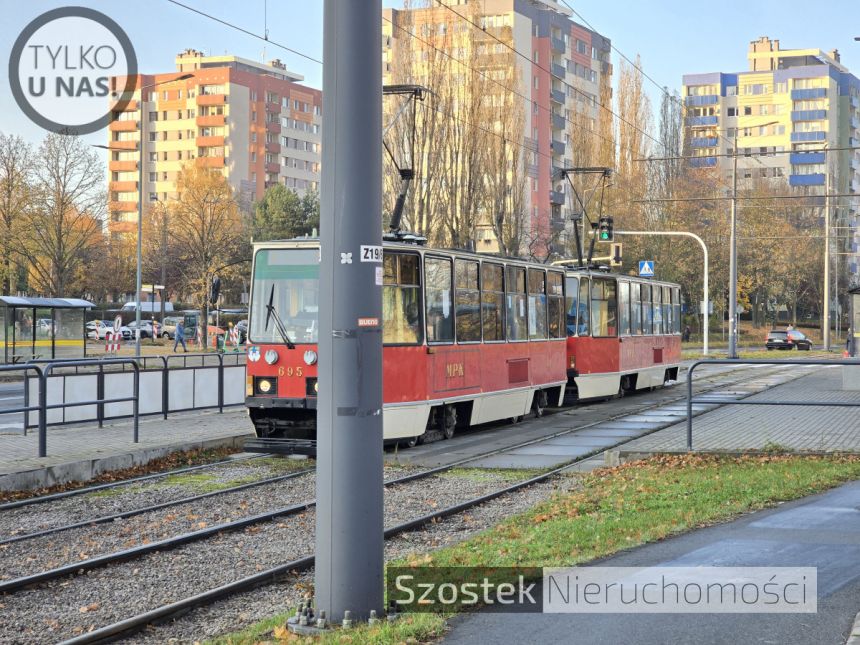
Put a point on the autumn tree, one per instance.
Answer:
(207, 232)
(61, 234)
(16, 167)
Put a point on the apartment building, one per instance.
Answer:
(798, 112)
(563, 70)
(252, 121)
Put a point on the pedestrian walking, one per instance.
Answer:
(179, 337)
(686, 336)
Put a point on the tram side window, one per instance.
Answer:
(603, 308)
(537, 304)
(440, 314)
(493, 301)
(657, 305)
(624, 308)
(468, 301)
(515, 304)
(647, 311)
(668, 323)
(401, 310)
(582, 327)
(635, 310)
(555, 304)
(572, 304)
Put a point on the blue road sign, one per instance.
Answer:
(646, 268)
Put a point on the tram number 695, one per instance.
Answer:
(290, 371)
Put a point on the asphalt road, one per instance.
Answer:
(821, 531)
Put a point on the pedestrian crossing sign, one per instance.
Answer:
(646, 268)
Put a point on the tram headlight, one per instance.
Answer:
(271, 356)
(310, 357)
(264, 385)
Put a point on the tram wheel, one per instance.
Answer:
(449, 421)
(411, 442)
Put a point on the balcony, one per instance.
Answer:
(556, 197)
(557, 96)
(273, 127)
(557, 147)
(558, 71)
(273, 107)
(211, 99)
(557, 122)
(703, 142)
(805, 95)
(700, 101)
(131, 106)
(801, 137)
(703, 162)
(213, 141)
(273, 167)
(701, 120)
(122, 227)
(122, 207)
(798, 158)
(210, 120)
(123, 145)
(806, 180)
(557, 44)
(808, 115)
(273, 146)
(123, 186)
(124, 126)
(122, 166)
(209, 162)
(855, 102)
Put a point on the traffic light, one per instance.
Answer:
(615, 255)
(604, 229)
(215, 291)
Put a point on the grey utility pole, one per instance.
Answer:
(825, 319)
(349, 532)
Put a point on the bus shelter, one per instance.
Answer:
(43, 328)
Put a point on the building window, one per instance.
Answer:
(732, 111)
(253, 157)
(747, 110)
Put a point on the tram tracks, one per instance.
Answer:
(150, 545)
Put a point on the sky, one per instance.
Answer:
(672, 37)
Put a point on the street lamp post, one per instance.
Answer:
(139, 277)
(733, 248)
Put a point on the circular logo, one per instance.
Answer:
(61, 66)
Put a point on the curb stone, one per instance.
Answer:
(854, 635)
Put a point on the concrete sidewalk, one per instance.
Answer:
(822, 531)
(80, 452)
(799, 428)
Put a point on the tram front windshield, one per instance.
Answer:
(289, 279)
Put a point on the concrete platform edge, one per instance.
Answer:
(87, 469)
(854, 635)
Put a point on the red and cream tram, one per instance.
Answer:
(468, 339)
(624, 333)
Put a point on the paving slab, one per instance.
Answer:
(545, 448)
(510, 460)
(578, 439)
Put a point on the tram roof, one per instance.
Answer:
(314, 242)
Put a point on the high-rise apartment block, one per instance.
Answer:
(252, 121)
(795, 115)
(563, 70)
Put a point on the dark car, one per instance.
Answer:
(787, 339)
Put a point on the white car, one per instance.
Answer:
(99, 329)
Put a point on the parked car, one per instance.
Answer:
(46, 326)
(98, 330)
(787, 339)
(168, 327)
(145, 328)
